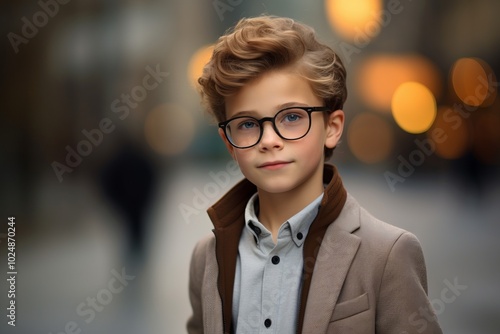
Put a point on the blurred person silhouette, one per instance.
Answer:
(128, 180)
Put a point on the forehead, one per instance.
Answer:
(270, 92)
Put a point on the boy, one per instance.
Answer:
(292, 252)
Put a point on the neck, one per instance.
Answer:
(276, 208)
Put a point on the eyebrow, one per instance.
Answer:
(278, 108)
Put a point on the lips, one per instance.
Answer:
(274, 164)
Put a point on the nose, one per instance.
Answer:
(270, 139)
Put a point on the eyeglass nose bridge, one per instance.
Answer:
(273, 122)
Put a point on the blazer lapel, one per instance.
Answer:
(338, 248)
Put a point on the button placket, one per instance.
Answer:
(272, 279)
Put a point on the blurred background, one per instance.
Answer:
(108, 161)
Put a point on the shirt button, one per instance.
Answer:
(300, 236)
(275, 259)
(267, 323)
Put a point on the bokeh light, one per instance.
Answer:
(454, 135)
(472, 80)
(199, 59)
(379, 76)
(370, 138)
(356, 20)
(169, 129)
(413, 107)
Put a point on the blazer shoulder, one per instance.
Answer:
(203, 246)
(376, 231)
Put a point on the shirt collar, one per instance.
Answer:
(299, 224)
(252, 222)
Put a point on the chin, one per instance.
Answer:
(275, 186)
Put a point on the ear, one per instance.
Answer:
(229, 147)
(334, 128)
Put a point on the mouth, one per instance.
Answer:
(274, 165)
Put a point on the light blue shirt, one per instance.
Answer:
(268, 276)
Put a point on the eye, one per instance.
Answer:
(291, 117)
(247, 124)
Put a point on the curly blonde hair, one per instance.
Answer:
(260, 44)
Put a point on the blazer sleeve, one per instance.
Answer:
(403, 305)
(196, 272)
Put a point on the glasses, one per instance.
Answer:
(290, 123)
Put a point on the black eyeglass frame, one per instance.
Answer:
(309, 110)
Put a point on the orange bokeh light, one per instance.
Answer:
(199, 59)
(354, 18)
(413, 107)
(379, 76)
(471, 79)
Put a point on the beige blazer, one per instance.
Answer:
(369, 277)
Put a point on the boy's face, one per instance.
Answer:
(277, 165)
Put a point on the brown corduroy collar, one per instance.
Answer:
(228, 217)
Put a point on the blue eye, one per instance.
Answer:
(246, 125)
(292, 117)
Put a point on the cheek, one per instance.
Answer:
(308, 152)
(315, 140)
(242, 157)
